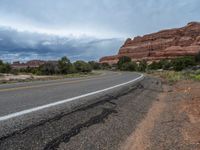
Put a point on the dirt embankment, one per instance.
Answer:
(173, 122)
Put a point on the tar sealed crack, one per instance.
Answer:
(108, 99)
(54, 144)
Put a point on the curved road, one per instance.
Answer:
(97, 112)
(21, 98)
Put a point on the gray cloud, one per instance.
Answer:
(90, 28)
(16, 45)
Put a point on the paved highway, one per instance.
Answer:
(97, 112)
(23, 98)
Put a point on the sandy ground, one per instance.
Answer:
(173, 121)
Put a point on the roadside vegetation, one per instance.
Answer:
(62, 67)
(187, 67)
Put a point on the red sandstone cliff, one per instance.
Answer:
(163, 44)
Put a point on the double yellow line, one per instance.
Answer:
(49, 84)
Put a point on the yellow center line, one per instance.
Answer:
(48, 84)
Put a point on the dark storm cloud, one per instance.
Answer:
(16, 45)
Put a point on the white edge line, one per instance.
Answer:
(24, 112)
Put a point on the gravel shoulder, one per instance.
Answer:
(172, 123)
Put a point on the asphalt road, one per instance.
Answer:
(103, 119)
(18, 97)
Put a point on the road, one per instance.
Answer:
(24, 96)
(46, 114)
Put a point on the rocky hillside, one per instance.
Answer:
(168, 44)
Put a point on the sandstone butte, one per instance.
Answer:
(165, 44)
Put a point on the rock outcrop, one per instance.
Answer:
(165, 44)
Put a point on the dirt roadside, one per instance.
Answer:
(173, 121)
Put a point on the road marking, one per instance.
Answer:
(28, 111)
(48, 84)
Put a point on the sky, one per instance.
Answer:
(83, 29)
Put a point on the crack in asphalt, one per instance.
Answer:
(54, 144)
(108, 99)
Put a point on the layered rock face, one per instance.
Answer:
(166, 44)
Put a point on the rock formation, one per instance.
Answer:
(165, 44)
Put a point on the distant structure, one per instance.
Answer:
(30, 64)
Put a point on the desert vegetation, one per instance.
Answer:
(61, 67)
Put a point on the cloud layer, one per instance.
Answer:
(16, 45)
(85, 29)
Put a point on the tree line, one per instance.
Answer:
(178, 64)
(62, 66)
(65, 66)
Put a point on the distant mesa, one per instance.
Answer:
(30, 64)
(165, 44)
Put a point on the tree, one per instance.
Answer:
(65, 66)
(48, 69)
(166, 64)
(105, 66)
(155, 65)
(5, 67)
(130, 66)
(95, 65)
(123, 60)
(183, 62)
(197, 57)
(142, 66)
(82, 66)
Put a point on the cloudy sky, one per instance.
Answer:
(83, 29)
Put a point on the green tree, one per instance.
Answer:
(95, 65)
(48, 69)
(123, 60)
(82, 66)
(129, 66)
(197, 57)
(155, 66)
(183, 62)
(5, 67)
(142, 66)
(65, 66)
(105, 66)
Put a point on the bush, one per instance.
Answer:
(197, 57)
(95, 65)
(82, 66)
(65, 66)
(142, 66)
(123, 60)
(181, 63)
(47, 69)
(105, 66)
(4, 67)
(166, 64)
(130, 66)
(155, 66)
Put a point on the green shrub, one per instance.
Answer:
(181, 63)
(105, 66)
(123, 60)
(4, 67)
(142, 66)
(129, 66)
(197, 57)
(65, 66)
(95, 65)
(155, 66)
(82, 66)
(46, 69)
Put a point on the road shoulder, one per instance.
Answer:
(172, 122)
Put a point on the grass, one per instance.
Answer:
(173, 76)
(53, 77)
